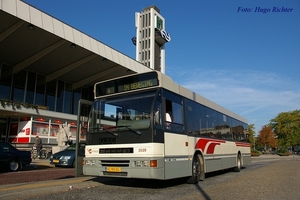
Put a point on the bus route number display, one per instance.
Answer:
(110, 90)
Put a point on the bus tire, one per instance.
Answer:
(197, 170)
(238, 163)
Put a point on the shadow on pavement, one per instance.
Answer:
(34, 165)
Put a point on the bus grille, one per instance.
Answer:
(115, 150)
(115, 163)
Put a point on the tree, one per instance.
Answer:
(267, 138)
(251, 133)
(287, 127)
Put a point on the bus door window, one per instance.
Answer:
(168, 111)
(174, 115)
(157, 114)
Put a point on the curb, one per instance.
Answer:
(44, 162)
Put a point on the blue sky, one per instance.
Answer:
(248, 62)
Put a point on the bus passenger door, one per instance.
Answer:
(176, 155)
(84, 108)
(176, 141)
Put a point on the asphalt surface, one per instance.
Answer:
(38, 170)
(278, 180)
(34, 185)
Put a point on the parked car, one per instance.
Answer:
(13, 159)
(66, 157)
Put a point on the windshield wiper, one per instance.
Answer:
(132, 130)
(106, 131)
(112, 133)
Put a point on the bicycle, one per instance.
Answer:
(44, 154)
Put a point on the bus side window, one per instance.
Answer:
(177, 113)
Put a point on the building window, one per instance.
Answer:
(40, 90)
(60, 96)
(30, 87)
(5, 82)
(76, 98)
(146, 19)
(19, 86)
(143, 19)
(146, 33)
(51, 93)
(67, 98)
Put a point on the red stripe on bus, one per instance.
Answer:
(242, 144)
(211, 147)
(202, 142)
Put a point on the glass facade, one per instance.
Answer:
(5, 82)
(31, 88)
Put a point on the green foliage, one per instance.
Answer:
(287, 128)
(16, 105)
(255, 153)
(251, 133)
(283, 152)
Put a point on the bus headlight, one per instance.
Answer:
(145, 163)
(89, 162)
(141, 163)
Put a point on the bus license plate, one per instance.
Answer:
(113, 169)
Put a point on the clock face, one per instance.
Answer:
(159, 23)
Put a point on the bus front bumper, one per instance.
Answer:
(125, 167)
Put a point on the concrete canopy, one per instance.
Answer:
(38, 42)
(35, 41)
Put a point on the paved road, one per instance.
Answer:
(267, 177)
(38, 170)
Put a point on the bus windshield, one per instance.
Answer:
(127, 112)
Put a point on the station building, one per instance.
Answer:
(46, 66)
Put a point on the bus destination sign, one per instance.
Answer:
(125, 84)
(136, 85)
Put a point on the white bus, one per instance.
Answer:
(147, 126)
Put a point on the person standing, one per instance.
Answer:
(62, 136)
(39, 145)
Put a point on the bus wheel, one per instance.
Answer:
(197, 170)
(238, 164)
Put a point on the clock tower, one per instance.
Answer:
(150, 39)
